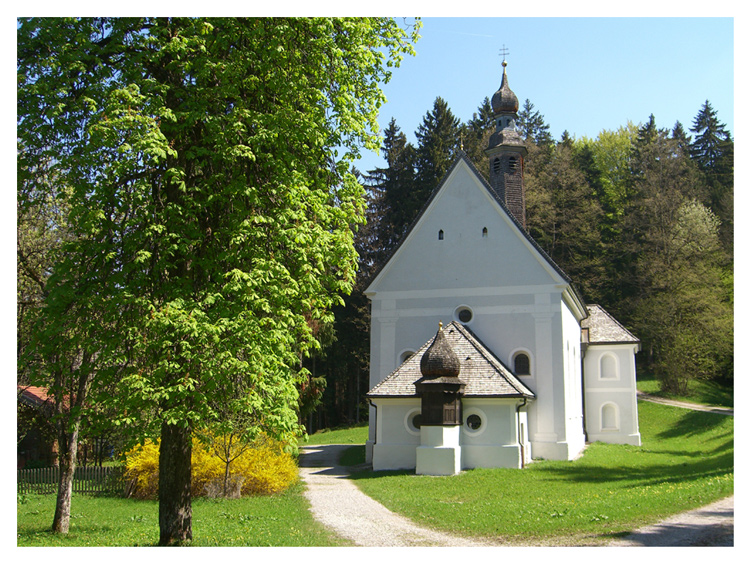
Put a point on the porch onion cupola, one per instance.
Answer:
(439, 387)
(506, 151)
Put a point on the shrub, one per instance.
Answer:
(263, 468)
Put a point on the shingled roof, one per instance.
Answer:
(603, 328)
(484, 374)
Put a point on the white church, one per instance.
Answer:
(482, 352)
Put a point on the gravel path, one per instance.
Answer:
(712, 525)
(685, 405)
(337, 502)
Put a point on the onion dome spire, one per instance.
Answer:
(439, 360)
(504, 100)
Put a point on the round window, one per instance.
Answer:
(464, 315)
(474, 422)
(413, 421)
(416, 422)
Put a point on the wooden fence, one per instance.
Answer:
(87, 480)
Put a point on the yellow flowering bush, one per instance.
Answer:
(263, 468)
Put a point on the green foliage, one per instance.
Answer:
(212, 205)
(532, 125)
(260, 469)
(438, 139)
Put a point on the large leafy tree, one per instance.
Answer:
(212, 203)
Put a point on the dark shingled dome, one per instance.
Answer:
(439, 360)
(504, 100)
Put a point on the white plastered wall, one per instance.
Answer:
(611, 400)
(515, 295)
(494, 444)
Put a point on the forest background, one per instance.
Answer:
(640, 218)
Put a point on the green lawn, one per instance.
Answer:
(686, 461)
(701, 392)
(280, 520)
(353, 435)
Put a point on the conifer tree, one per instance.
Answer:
(532, 125)
(394, 201)
(713, 151)
(438, 139)
(475, 136)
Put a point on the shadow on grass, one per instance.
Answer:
(693, 423)
(699, 468)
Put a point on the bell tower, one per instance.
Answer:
(506, 151)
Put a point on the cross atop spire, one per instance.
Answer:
(504, 52)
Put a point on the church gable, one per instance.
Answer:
(465, 238)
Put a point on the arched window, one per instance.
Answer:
(610, 417)
(608, 368)
(496, 165)
(405, 355)
(521, 364)
(441, 235)
(484, 232)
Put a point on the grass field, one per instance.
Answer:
(700, 391)
(686, 461)
(280, 520)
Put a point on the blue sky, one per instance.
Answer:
(584, 75)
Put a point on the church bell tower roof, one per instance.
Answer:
(504, 100)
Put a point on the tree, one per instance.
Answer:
(393, 196)
(533, 127)
(211, 210)
(687, 315)
(713, 151)
(438, 139)
(672, 265)
(563, 215)
(475, 136)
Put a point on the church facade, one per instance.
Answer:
(539, 372)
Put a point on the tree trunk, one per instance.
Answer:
(68, 446)
(175, 508)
